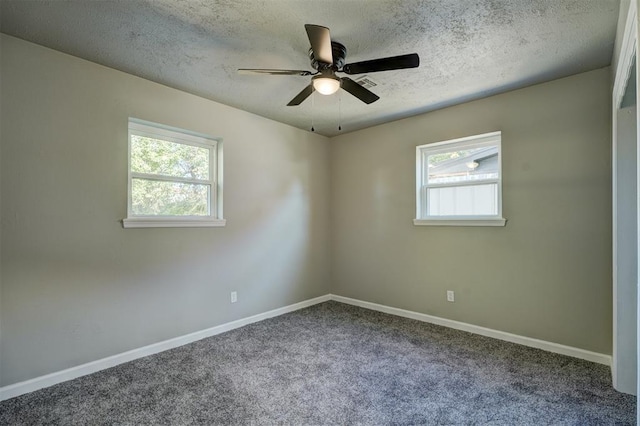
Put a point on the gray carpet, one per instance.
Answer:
(336, 364)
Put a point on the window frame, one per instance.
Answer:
(184, 137)
(424, 151)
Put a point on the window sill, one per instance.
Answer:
(156, 222)
(460, 222)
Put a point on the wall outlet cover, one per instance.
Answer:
(450, 296)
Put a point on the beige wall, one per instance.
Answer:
(306, 216)
(76, 286)
(546, 275)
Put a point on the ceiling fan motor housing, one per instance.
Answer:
(339, 53)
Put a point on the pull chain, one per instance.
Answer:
(313, 105)
(339, 111)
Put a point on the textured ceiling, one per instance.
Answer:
(468, 49)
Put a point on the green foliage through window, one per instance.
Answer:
(169, 178)
(155, 156)
(151, 198)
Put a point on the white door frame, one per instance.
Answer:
(628, 53)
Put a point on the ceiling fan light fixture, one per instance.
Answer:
(326, 84)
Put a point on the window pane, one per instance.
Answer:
(472, 200)
(155, 156)
(465, 165)
(150, 198)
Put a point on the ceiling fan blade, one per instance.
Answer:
(320, 40)
(300, 97)
(250, 71)
(365, 95)
(411, 60)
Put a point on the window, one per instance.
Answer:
(175, 178)
(458, 182)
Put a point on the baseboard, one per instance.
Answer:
(34, 384)
(496, 334)
(31, 385)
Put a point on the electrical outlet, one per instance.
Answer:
(450, 296)
(234, 296)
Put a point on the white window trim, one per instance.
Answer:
(421, 197)
(159, 131)
(460, 221)
(170, 222)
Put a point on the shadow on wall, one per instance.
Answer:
(271, 253)
(280, 246)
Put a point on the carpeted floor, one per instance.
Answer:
(336, 364)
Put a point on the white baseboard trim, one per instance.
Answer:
(34, 384)
(500, 335)
(41, 382)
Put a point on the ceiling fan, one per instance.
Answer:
(327, 58)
